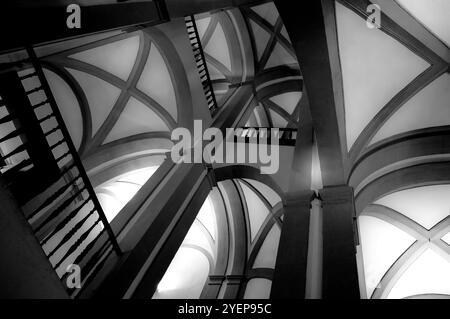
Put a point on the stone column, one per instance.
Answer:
(290, 271)
(340, 274)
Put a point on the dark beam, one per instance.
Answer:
(147, 286)
(306, 28)
(43, 22)
(289, 279)
(290, 275)
(181, 8)
(35, 22)
(170, 216)
(340, 273)
(121, 220)
(233, 109)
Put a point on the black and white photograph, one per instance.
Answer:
(215, 158)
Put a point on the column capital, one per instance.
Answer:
(216, 279)
(235, 279)
(303, 198)
(316, 202)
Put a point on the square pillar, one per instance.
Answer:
(291, 266)
(340, 273)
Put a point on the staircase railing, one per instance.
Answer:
(65, 214)
(200, 60)
(285, 136)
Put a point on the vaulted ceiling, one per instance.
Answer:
(121, 85)
(224, 58)
(392, 83)
(119, 99)
(215, 236)
(278, 76)
(396, 116)
(412, 257)
(375, 67)
(273, 64)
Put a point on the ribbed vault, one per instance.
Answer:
(395, 86)
(278, 80)
(237, 230)
(120, 99)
